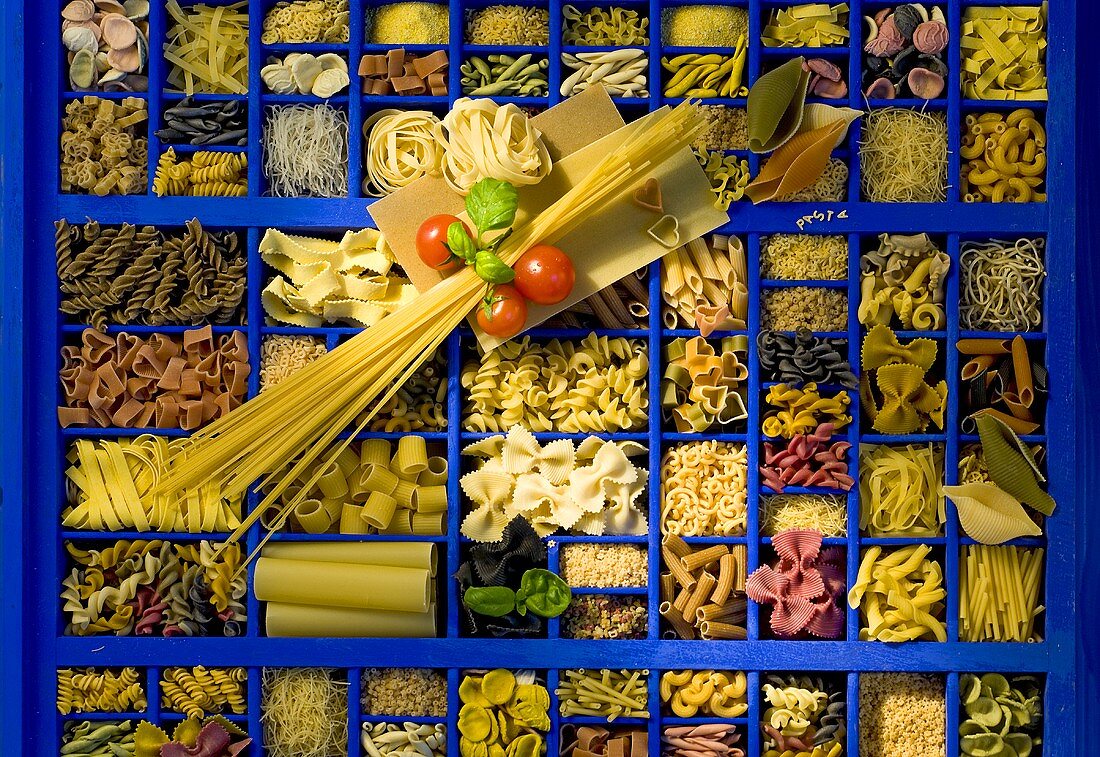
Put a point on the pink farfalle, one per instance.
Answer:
(791, 615)
(802, 586)
(827, 622)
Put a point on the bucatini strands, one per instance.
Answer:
(295, 421)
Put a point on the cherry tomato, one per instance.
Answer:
(545, 275)
(507, 312)
(430, 243)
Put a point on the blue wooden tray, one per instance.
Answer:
(32, 330)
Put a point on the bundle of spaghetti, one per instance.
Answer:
(203, 174)
(705, 693)
(704, 489)
(1001, 284)
(999, 593)
(703, 25)
(805, 717)
(201, 691)
(596, 26)
(102, 150)
(609, 694)
(155, 587)
(903, 155)
(729, 175)
(705, 286)
(623, 305)
(622, 72)
(127, 274)
(831, 186)
(596, 741)
(306, 151)
(90, 691)
(1003, 378)
(109, 487)
(306, 21)
(827, 513)
(803, 586)
(408, 23)
(294, 420)
(894, 388)
(161, 381)
(702, 592)
(282, 355)
(809, 25)
(703, 387)
(592, 488)
(499, 696)
(598, 384)
(401, 147)
(801, 307)
(354, 281)
(368, 488)
(899, 594)
(419, 403)
(1005, 158)
(899, 490)
(728, 129)
(800, 411)
(795, 257)
(904, 280)
(707, 75)
(705, 740)
(1004, 53)
(508, 25)
(304, 712)
(99, 738)
(901, 713)
(415, 692)
(207, 47)
(804, 357)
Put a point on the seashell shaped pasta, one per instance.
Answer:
(127, 59)
(136, 10)
(78, 10)
(82, 71)
(332, 61)
(77, 38)
(775, 105)
(118, 31)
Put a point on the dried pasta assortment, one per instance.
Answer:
(803, 716)
(705, 285)
(404, 739)
(410, 692)
(281, 356)
(800, 307)
(729, 176)
(604, 566)
(708, 75)
(508, 25)
(900, 595)
(728, 129)
(804, 358)
(596, 384)
(703, 590)
(405, 73)
(91, 691)
(795, 257)
(201, 691)
(705, 740)
(304, 712)
(1004, 52)
(811, 459)
(208, 48)
(902, 712)
(894, 389)
(306, 21)
(999, 593)
(801, 410)
(1005, 379)
(408, 23)
(126, 274)
(591, 488)
(614, 25)
(1001, 284)
(904, 281)
(706, 693)
(306, 150)
(609, 694)
(505, 75)
(999, 712)
(704, 25)
(1006, 158)
(491, 698)
(201, 174)
(622, 72)
(690, 504)
(585, 740)
(604, 616)
(143, 588)
(903, 155)
(162, 381)
(370, 487)
(809, 25)
(102, 150)
(827, 513)
(803, 586)
(322, 75)
(899, 490)
(703, 387)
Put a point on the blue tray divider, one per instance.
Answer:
(954, 107)
(656, 355)
(653, 724)
(554, 72)
(254, 696)
(256, 181)
(852, 499)
(752, 729)
(951, 698)
(753, 449)
(454, 466)
(454, 704)
(553, 736)
(255, 318)
(152, 693)
(157, 78)
(951, 447)
(851, 723)
(355, 718)
(855, 99)
(356, 142)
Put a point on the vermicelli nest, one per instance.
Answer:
(304, 713)
(903, 156)
(306, 151)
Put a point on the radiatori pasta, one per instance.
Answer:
(597, 384)
(704, 489)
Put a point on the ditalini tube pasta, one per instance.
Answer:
(407, 554)
(314, 621)
(366, 587)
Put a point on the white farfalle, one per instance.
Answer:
(490, 485)
(625, 519)
(488, 447)
(485, 524)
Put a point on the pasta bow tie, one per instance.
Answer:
(802, 586)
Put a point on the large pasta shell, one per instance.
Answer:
(127, 59)
(775, 105)
(817, 115)
(990, 515)
(796, 164)
(118, 31)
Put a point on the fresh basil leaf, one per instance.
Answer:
(491, 204)
(459, 242)
(491, 268)
(546, 594)
(521, 605)
(494, 601)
